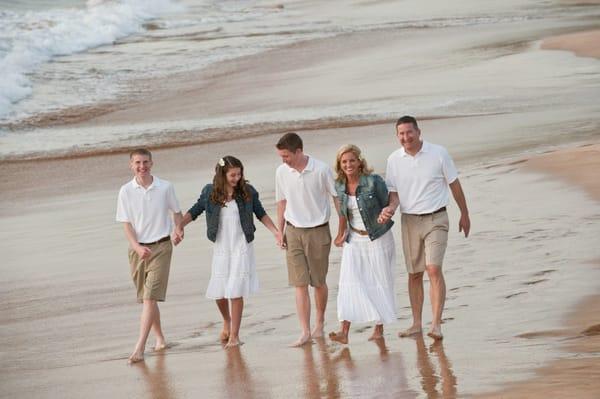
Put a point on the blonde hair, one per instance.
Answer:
(363, 168)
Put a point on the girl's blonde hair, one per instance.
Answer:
(363, 168)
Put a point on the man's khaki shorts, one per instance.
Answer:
(151, 275)
(424, 240)
(308, 255)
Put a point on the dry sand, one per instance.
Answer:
(584, 44)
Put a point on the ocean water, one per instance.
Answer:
(66, 60)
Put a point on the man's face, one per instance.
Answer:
(409, 136)
(288, 157)
(140, 165)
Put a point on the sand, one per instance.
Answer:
(583, 44)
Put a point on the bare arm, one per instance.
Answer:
(142, 251)
(268, 222)
(388, 211)
(177, 234)
(464, 223)
(342, 225)
(281, 223)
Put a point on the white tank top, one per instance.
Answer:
(354, 214)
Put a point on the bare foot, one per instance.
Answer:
(162, 346)
(339, 337)
(136, 357)
(317, 332)
(436, 333)
(377, 333)
(233, 342)
(414, 330)
(303, 340)
(224, 336)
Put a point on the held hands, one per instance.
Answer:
(464, 224)
(280, 240)
(386, 214)
(177, 235)
(143, 252)
(339, 240)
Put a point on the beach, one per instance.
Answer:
(512, 101)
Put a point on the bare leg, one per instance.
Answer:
(303, 310)
(321, 294)
(157, 330)
(146, 321)
(377, 332)
(342, 335)
(223, 305)
(415, 293)
(237, 307)
(437, 293)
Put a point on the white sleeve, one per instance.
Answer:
(122, 207)
(279, 186)
(448, 168)
(390, 177)
(330, 182)
(172, 199)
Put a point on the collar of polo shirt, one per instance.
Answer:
(424, 148)
(155, 183)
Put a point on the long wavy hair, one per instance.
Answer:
(219, 192)
(363, 167)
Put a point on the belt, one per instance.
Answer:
(167, 238)
(361, 232)
(442, 209)
(314, 227)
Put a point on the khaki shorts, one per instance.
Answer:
(424, 240)
(150, 276)
(307, 255)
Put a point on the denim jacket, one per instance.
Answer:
(372, 197)
(246, 208)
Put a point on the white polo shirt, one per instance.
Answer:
(306, 193)
(421, 181)
(148, 210)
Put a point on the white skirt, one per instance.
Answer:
(366, 289)
(233, 272)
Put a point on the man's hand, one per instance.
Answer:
(464, 224)
(339, 240)
(143, 252)
(280, 240)
(177, 235)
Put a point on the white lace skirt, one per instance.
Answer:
(366, 289)
(233, 265)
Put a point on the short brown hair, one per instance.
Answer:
(290, 141)
(407, 119)
(141, 151)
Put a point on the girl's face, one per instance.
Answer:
(233, 176)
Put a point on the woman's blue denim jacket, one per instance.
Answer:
(372, 197)
(246, 208)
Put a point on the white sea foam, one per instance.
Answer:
(28, 39)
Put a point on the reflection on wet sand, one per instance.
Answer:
(237, 378)
(335, 373)
(432, 382)
(157, 379)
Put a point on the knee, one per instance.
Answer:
(434, 273)
(415, 277)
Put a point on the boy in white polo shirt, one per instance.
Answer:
(418, 176)
(303, 186)
(144, 206)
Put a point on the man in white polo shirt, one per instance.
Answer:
(144, 206)
(418, 176)
(303, 186)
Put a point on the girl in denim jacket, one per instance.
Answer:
(230, 204)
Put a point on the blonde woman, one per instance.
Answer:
(366, 287)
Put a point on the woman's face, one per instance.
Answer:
(350, 163)
(233, 176)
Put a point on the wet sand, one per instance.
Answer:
(69, 316)
(522, 290)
